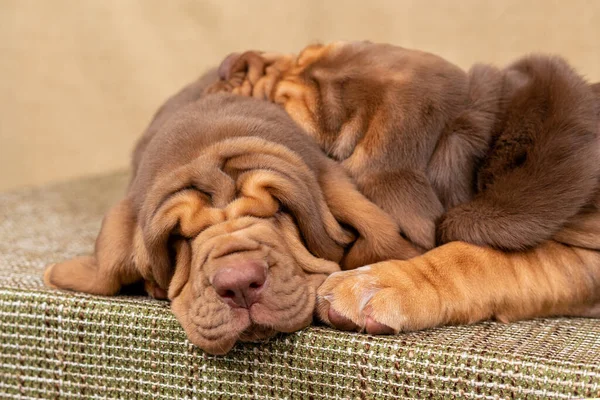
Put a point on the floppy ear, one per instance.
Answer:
(379, 237)
(112, 265)
(181, 203)
(183, 262)
(185, 213)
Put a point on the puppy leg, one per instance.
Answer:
(112, 264)
(460, 283)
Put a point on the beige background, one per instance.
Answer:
(80, 79)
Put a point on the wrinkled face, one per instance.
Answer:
(246, 282)
(242, 240)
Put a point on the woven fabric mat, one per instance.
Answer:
(67, 345)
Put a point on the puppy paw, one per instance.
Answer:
(48, 281)
(80, 274)
(377, 299)
(233, 85)
(252, 74)
(238, 73)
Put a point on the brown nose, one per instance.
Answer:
(240, 285)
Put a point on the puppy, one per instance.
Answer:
(507, 159)
(499, 158)
(236, 216)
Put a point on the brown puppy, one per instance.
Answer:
(512, 154)
(237, 216)
(506, 156)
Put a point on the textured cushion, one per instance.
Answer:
(67, 345)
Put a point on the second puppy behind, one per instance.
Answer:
(494, 157)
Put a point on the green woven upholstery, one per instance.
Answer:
(68, 345)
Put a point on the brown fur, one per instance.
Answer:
(503, 158)
(221, 181)
(460, 283)
(416, 132)
(218, 182)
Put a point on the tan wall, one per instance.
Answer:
(80, 79)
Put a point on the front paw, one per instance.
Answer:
(381, 298)
(239, 73)
(250, 65)
(252, 74)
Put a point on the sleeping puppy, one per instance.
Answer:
(499, 158)
(506, 161)
(236, 216)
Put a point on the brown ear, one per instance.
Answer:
(111, 266)
(379, 237)
(185, 213)
(183, 262)
(181, 203)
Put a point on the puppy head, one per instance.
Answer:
(241, 238)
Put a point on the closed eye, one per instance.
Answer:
(204, 192)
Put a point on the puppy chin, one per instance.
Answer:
(266, 324)
(216, 335)
(216, 347)
(264, 317)
(257, 333)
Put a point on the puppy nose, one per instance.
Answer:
(240, 285)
